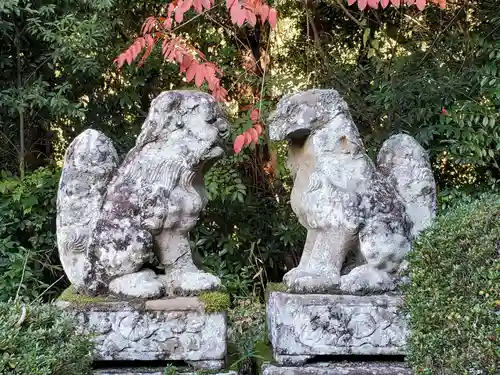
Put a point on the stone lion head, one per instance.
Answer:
(191, 125)
(298, 115)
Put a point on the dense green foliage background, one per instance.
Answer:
(433, 74)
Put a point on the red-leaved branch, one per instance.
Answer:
(250, 135)
(362, 4)
(193, 63)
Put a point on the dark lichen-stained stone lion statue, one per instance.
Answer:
(350, 207)
(112, 217)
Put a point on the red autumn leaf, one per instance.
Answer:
(251, 19)
(230, 3)
(421, 4)
(396, 3)
(184, 5)
(165, 46)
(119, 61)
(197, 6)
(168, 24)
(234, 13)
(179, 15)
(149, 47)
(247, 107)
(241, 17)
(258, 128)
(135, 48)
(148, 25)
(264, 13)
(384, 3)
(254, 115)
(210, 76)
(444, 111)
(248, 138)
(200, 75)
(186, 62)
(362, 4)
(206, 4)
(373, 4)
(220, 93)
(179, 57)
(191, 71)
(238, 143)
(128, 57)
(273, 18)
(254, 135)
(442, 4)
(350, 2)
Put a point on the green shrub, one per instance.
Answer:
(28, 250)
(454, 291)
(247, 336)
(41, 340)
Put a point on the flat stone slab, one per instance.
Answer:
(303, 326)
(362, 368)
(175, 329)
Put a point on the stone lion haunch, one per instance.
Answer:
(113, 217)
(347, 205)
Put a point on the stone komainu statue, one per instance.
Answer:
(350, 207)
(113, 217)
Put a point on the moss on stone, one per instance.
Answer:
(215, 301)
(274, 287)
(70, 295)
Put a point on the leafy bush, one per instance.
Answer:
(41, 340)
(247, 336)
(454, 291)
(28, 251)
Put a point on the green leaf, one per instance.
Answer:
(366, 35)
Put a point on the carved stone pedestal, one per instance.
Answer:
(166, 330)
(152, 371)
(319, 334)
(339, 369)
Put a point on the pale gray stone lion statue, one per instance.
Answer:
(112, 217)
(350, 207)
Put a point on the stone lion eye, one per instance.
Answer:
(211, 120)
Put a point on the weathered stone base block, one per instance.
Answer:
(150, 371)
(339, 369)
(176, 329)
(304, 326)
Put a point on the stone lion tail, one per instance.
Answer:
(89, 163)
(405, 163)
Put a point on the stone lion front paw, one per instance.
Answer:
(190, 283)
(293, 274)
(309, 283)
(367, 280)
(142, 284)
